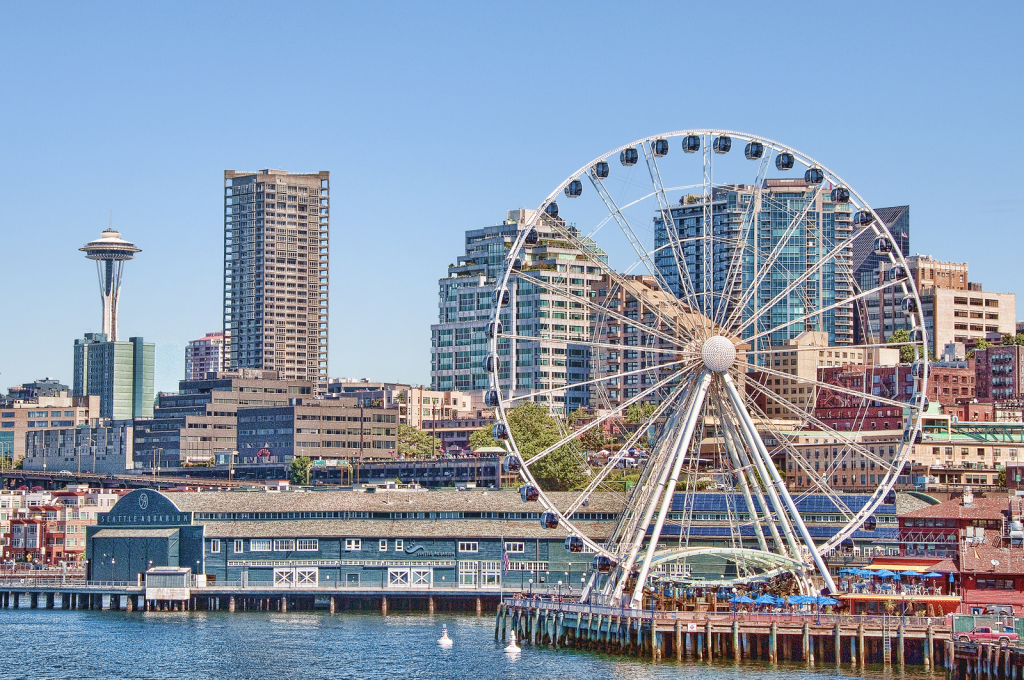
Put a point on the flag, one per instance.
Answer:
(504, 560)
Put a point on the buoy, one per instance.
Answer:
(512, 648)
(444, 640)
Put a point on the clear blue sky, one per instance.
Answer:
(434, 118)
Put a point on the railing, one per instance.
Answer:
(57, 583)
(750, 617)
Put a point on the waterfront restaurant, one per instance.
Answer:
(386, 539)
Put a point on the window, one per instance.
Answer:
(469, 546)
(259, 545)
(352, 544)
(515, 546)
(284, 544)
(238, 546)
(215, 545)
(307, 544)
(382, 545)
(399, 545)
(467, 573)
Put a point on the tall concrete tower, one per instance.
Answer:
(110, 252)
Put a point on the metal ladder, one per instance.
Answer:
(886, 641)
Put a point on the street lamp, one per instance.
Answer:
(531, 587)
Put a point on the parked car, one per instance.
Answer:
(986, 634)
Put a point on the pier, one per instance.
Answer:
(833, 639)
(22, 593)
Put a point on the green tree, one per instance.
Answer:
(298, 471)
(902, 335)
(1001, 478)
(639, 413)
(593, 439)
(534, 430)
(414, 443)
(478, 439)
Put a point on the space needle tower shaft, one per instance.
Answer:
(110, 252)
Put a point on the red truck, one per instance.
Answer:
(986, 634)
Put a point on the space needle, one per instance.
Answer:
(110, 252)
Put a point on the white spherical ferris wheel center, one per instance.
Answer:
(718, 353)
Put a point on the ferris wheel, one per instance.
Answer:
(701, 295)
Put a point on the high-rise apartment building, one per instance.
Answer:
(750, 234)
(120, 373)
(276, 233)
(869, 320)
(541, 297)
(205, 355)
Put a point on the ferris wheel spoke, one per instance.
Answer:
(819, 312)
(809, 417)
(607, 345)
(686, 285)
(602, 418)
(627, 229)
(750, 217)
(631, 442)
(586, 303)
(604, 378)
(770, 263)
(801, 380)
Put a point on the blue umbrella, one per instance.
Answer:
(741, 599)
(825, 601)
(884, 573)
(801, 599)
(910, 572)
(765, 599)
(847, 572)
(932, 574)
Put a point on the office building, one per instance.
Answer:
(321, 429)
(776, 204)
(102, 447)
(198, 424)
(276, 234)
(120, 373)
(205, 355)
(416, 403)
(541, 298)
(967, 316)
(21, 418)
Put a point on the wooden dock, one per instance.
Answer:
(826, 639)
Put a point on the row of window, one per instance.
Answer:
(351, 545)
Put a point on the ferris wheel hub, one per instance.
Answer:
(718, 353)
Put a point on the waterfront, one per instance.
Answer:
(92, 644)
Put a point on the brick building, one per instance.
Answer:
(1000, 373)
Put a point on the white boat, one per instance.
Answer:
(444, 640)
(512, 648)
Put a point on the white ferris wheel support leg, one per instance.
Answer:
(775, 505)
(692, 416)
(637, 532)
(780, 485)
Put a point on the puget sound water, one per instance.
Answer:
(309, 646)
